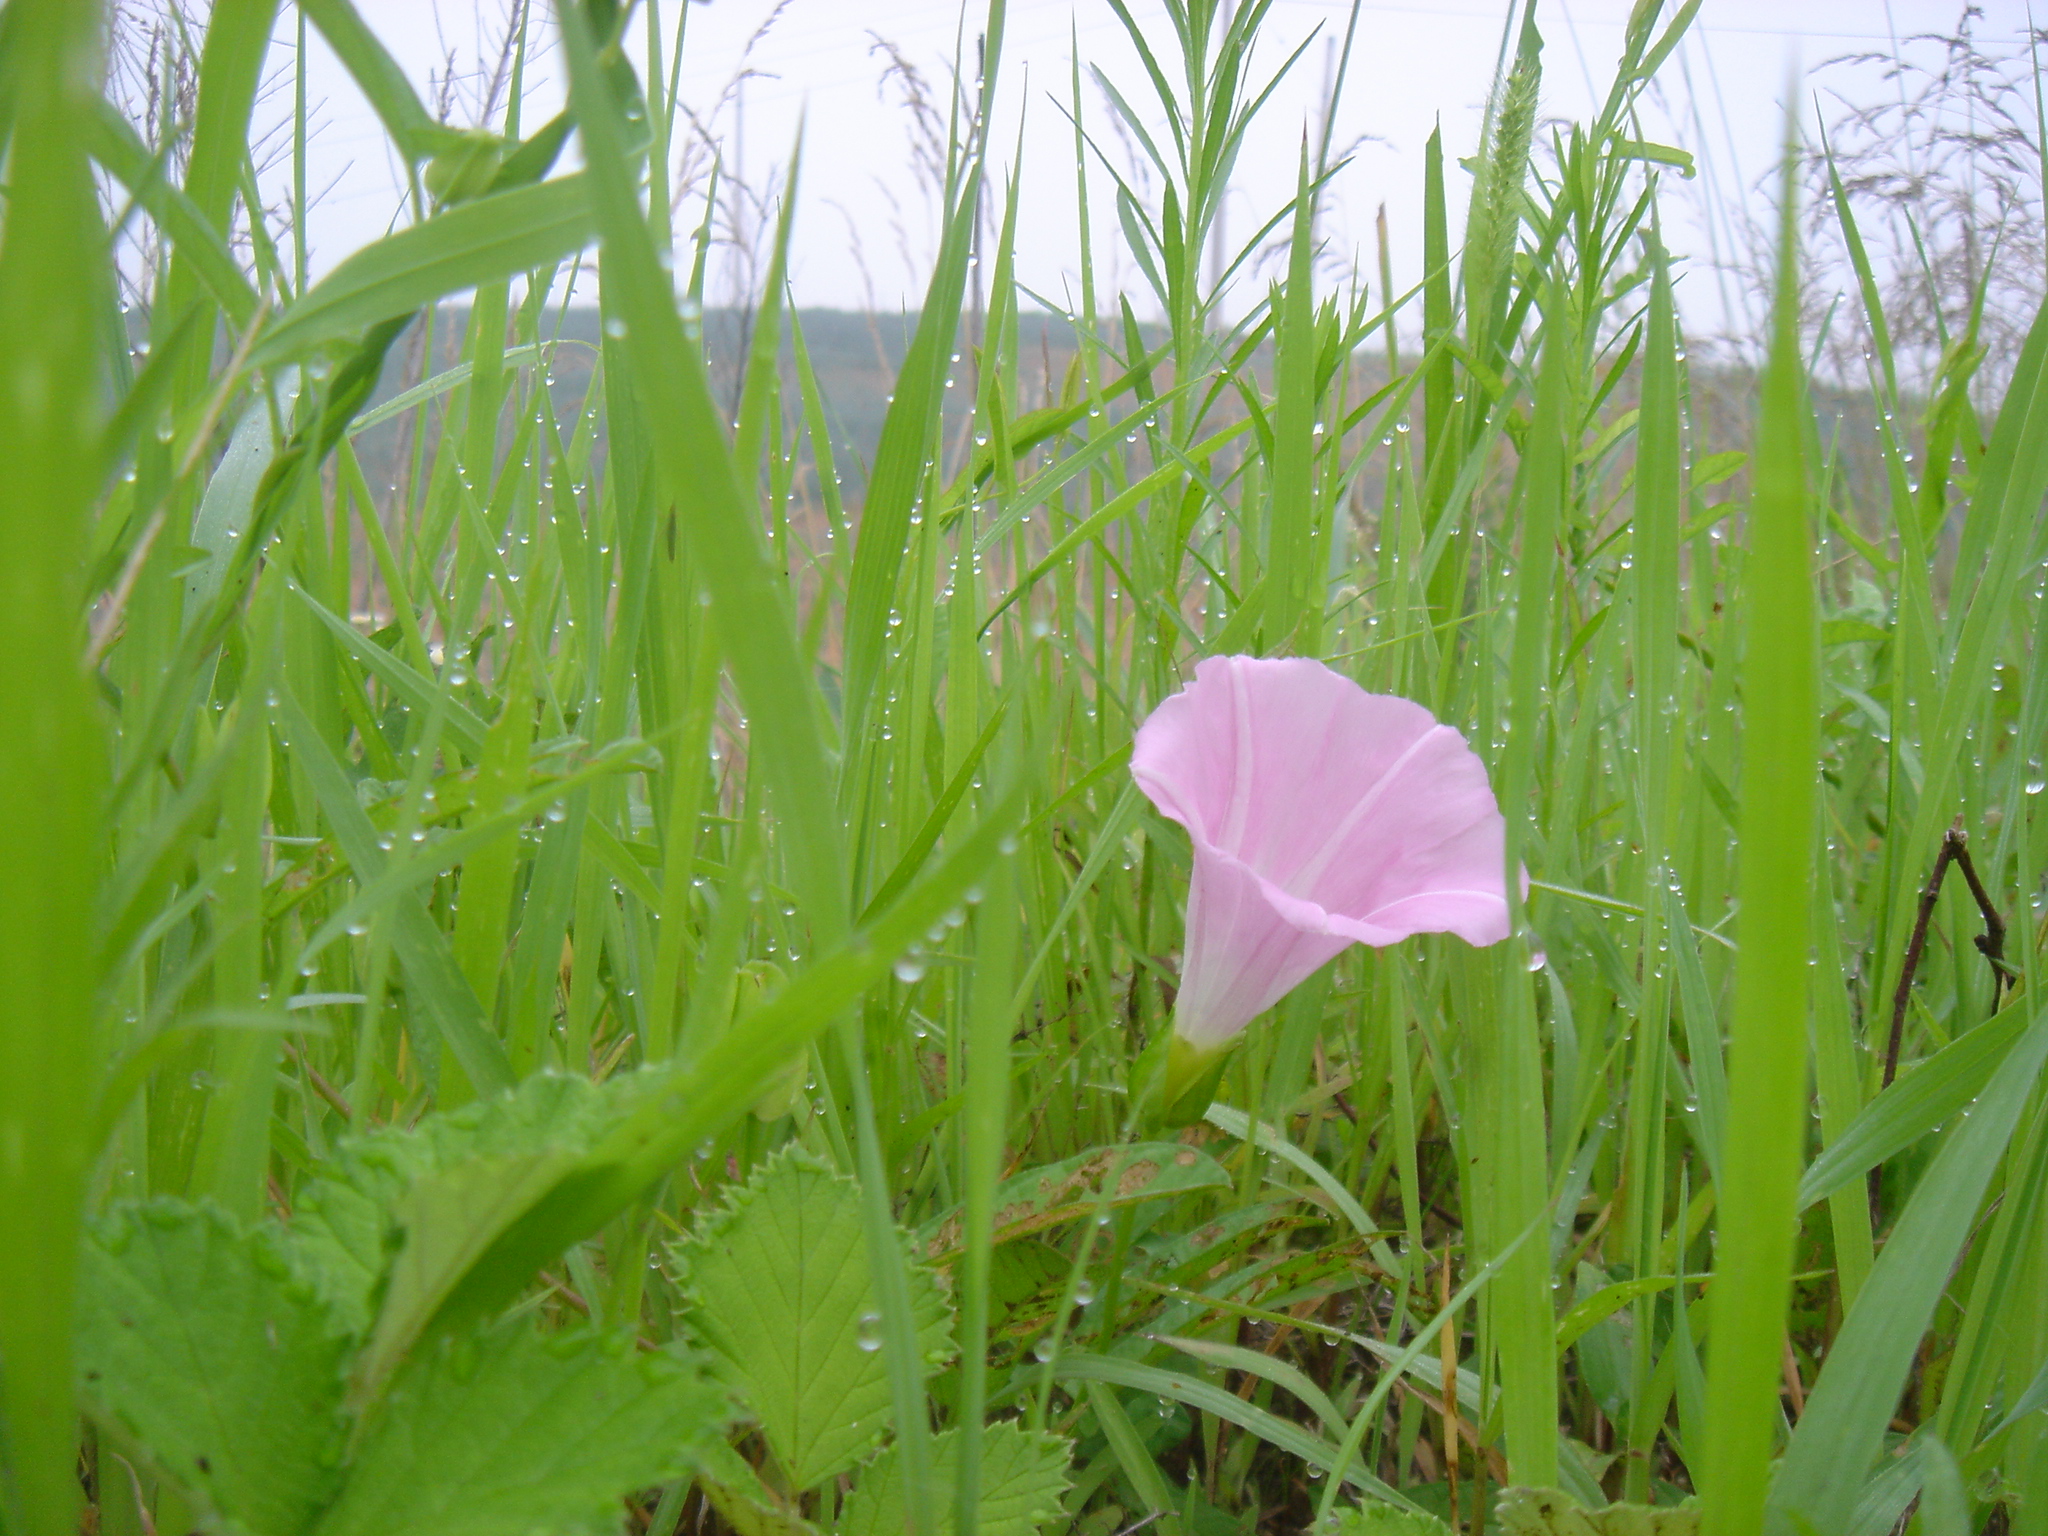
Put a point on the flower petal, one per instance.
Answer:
(1242, 954)
(1320, 814)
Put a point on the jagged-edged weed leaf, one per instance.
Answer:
(196, 1340)
(782, 1290)
(518, 1433)
(1546, 1512)
(1023, 1475)
(347, 1225)
(736, 1492)
(1381, 1520)
(409, 1211)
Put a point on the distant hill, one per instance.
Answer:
(855, 358)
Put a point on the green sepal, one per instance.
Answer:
(1173, 1081)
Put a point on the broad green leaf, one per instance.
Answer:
(1069, 1190)
(196, 1340)
(497, 236)
(1023, 1475)
(447, 1219)
(783, 1292)
(518, 1433)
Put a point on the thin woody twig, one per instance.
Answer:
(1955, 849)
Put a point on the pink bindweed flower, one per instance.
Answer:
(1322, 816)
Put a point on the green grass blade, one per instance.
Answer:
(1767, 1046)
(1510, 1179)
(1929, 1096)
(984, 1125)
(1227, 1406)
(1659, 512)
(52, 247)
(476, 242)
(1292, 592)
(444, 995)
(1841, 1432)
(749, 606)
(910, 434)
(114, 144)
(380, 78)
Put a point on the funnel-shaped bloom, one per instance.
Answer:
(1321, 815)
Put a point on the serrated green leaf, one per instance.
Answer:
(351, 1228)
(1546, 1512)
(448, 1219)
(518, 1433)
(783, 1291)
(1023, 1475)
(1383, 1520)
(197, 1341)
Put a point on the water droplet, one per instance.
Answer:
(868, 1332)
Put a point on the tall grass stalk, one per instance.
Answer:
(1767, 1038)
(52, 773)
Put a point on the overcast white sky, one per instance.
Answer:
(1416, 61)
